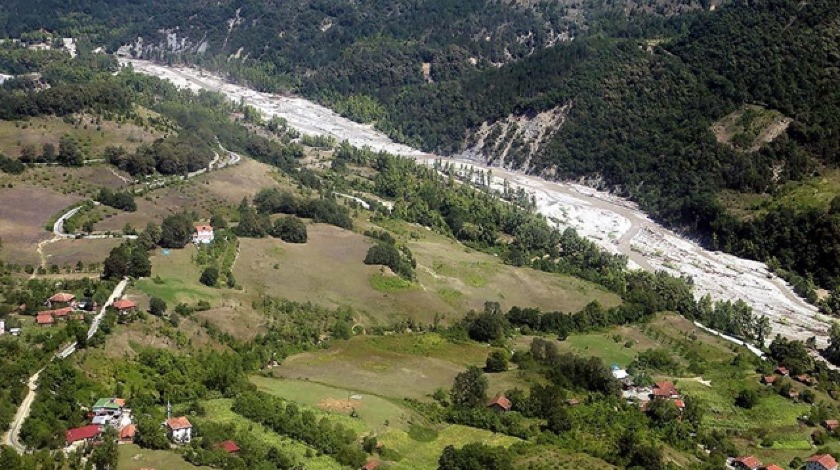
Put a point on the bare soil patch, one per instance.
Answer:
(24, 211)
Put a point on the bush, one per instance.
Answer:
(210, 276)
(157, 306)
(497, 361)
(747, 398)
(290, 230)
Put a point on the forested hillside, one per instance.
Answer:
(640, 85)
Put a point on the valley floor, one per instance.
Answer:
(615, 224)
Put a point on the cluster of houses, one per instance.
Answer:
(781, 372)
(816, 462)
(644, 396)
(105, 413)
(64, 306)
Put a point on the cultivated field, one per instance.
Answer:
(397, 427)
(69, 252)
(24, 211)
(328, 269)
(92, 137)
(397, 366)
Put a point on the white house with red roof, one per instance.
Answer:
(203, 234)
(124, 305)
(749, 462)
(179, 429)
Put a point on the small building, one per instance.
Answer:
(14, 331)
(573, 402)
(127, 434)
(618, 372)
(831, 424)
(772, 466)
(124, 305)
(84, 433)
(821, 462)
(500, 403)
(203, 234)
(179, 430)
(783, 371)
(680, 404)
(44, 319)
(2, 327)
(61, 299)
(59, 313)
(806, 379)
(228, 446)
(793, 394)
(108, 406)
(665, 389)
(768, 379)
(749, 462)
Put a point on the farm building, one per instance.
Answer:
(500, 403)
(84, 433)
(821, 462)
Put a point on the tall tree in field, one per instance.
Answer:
(175, 232)
(469, 390)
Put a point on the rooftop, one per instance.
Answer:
(181, 422)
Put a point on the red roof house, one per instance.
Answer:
(44, 319)
(123, 305)
(679, 404)
(500, 403)
(782, 370)
(58, 313)
(665, 389)
(768, 379)
(228, 446)
(806, 379)
(821, 462)
(62, 297)
(127, 433)
(772, 466)
(749, 462)
(83, 433)
(831, 424)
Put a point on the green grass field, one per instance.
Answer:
(399, 366)
(373, 410)
(132, 457)
(179, 279)
(219, 411)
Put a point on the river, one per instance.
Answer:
(617, 225)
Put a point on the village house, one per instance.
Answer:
(124, 306)
(806, 379)
(665, 389)
(793, 394)
(61, 299)
(831, 424)
(749, 462)
(44, 319)
(228, 446)
(59, 313)
(500, 403)
(821, 462)
(772, 466)
(179, 430)
(768, 379)
(108, 406)
(85, 433)
(203, 234)
(782, 370)
(127, 434)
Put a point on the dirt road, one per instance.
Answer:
(12, 437)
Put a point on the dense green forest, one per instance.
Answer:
(644, 82)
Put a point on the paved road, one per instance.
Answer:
(11, 438)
